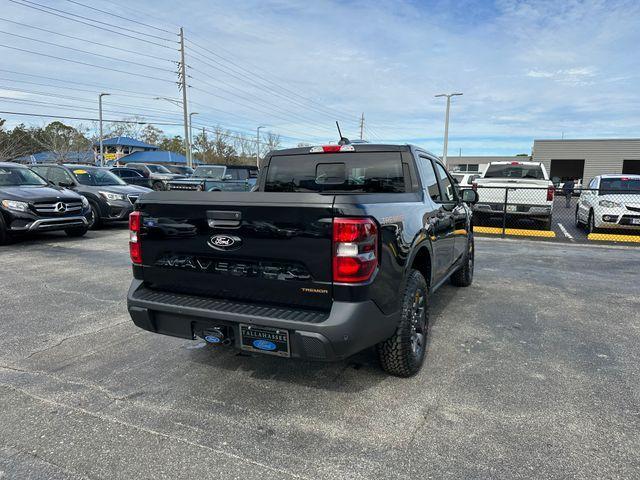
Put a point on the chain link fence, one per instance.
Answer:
(581, 215)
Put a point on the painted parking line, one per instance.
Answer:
(519, 232)
(565, 232)
(608, 237)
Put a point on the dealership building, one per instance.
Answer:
(586, 159)
(564, 159)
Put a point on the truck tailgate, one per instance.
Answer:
(521, 191)
(263, 247)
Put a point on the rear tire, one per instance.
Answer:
(463, 277)
(547, 224)
(76, 232)
(158, 186)
(577, 219)
(403, 354)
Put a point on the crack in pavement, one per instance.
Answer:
(48, 287)
(71, 337)
(150, 431)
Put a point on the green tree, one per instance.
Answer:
(172, 144)
(151, 134)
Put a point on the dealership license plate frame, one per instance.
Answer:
(278, 336)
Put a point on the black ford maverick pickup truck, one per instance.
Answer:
(339, 249)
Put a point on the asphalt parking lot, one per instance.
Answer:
(533, 372)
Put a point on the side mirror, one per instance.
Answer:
(470, 196)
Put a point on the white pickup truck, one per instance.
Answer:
(523, 189)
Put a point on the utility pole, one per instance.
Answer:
(100, 121)
(258, 146)
(446, 124)
(191, 135)
(362, 126)
(182, 76)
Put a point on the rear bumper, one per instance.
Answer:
(348, 328)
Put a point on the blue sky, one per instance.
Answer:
(528, 69)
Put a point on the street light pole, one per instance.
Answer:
(258, 146)
(446, 124)
(191, 136)
(100, 121)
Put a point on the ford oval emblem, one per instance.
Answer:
(225, 242)
(264, 345)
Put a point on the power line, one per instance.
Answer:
(238, 102)
(102, 29)
(99, 86)
(84, 100)
(87, 52)
(76, 107)
(239, 69)
(132, 94)
(121, 17)
(329, 110)
(95, 21)
(246, 78)
(87, 40)
(86, 119)
(87, 64)
(267, 103)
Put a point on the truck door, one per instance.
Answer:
(452, 204)
(438, 222)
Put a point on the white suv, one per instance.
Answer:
(610, 202)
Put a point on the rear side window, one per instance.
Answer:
(374, 172)
(514, 171)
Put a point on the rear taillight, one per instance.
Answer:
(550, 191)
(355, 249)
(135, 225)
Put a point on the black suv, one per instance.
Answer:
(337, 250)
(132, 176)
(29, 204)
(110, 198)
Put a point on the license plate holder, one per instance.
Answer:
(259, 339)
(635, 221)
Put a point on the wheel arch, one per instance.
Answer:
(421, 260)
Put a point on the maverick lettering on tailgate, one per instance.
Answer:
(258, 269)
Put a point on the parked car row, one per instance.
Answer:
(76, 198)
(511, 191)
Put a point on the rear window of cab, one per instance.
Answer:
(371, 172)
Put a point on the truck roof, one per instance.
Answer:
(359, 147)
